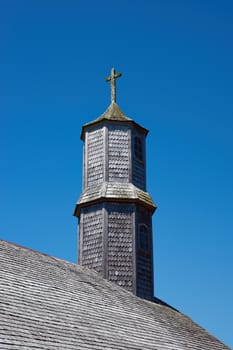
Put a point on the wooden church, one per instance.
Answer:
(107, 300)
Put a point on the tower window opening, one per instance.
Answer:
(138, 149)
(143, 238)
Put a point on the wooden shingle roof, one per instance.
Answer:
(113, 114)
(47, 303)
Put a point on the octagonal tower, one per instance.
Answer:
(114, 209)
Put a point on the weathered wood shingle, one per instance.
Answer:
(47, 303)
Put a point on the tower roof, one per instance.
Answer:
(113, 114)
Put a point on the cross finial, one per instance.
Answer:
(112, 78)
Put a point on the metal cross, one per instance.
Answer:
(112, 78)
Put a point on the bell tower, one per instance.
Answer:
(114, 209)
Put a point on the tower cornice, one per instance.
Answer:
(114, 192)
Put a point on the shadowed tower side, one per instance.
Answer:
(114, 209)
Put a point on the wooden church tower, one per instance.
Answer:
(114, 209)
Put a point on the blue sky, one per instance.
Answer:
(176, 59)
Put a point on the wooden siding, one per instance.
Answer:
(120, 245)
(118, 154)
(92, 237)
(95, 157)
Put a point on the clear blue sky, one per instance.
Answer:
(176, 58)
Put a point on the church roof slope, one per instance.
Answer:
(47, 303)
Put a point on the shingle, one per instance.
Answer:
(47, 303)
